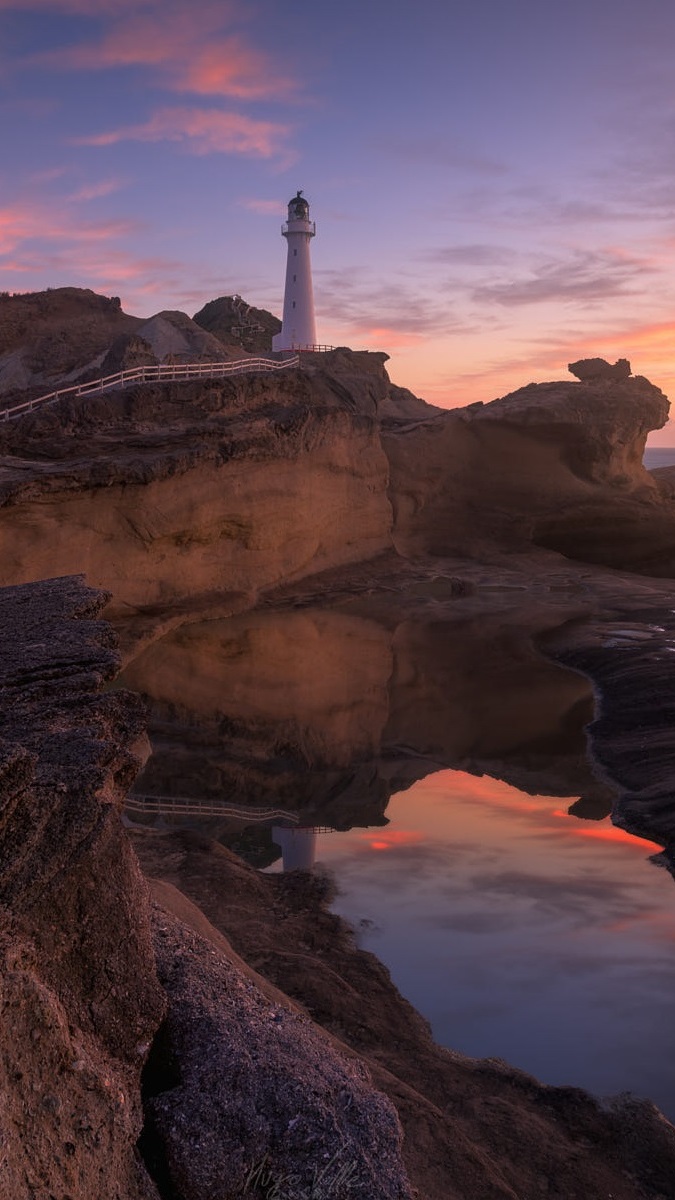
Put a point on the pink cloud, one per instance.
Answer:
(204, 130)
(231, 68)
(23, 223)
(188, 50)
(265, 208)
(95, 191)
(85, 8)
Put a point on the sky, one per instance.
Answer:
(492, 183)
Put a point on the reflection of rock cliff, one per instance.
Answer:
(326, 713)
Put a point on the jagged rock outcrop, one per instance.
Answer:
(238, 325)
(80, 999)
(175, 338)
(70, 334)
(327, 713)
(128, 351)
(49, 337)
(591, 369)
(557, 465)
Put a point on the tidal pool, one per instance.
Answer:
(429, 766)
(519, 931)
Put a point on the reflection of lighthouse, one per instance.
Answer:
(298, 847)
(298, 329)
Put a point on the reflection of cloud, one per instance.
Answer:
(203, 131)
(565, 894)
(470, 922)
(386, 839)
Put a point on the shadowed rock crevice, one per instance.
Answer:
(160, 1074)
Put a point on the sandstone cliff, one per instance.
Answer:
(198, 494)
(557, 465)
(167, 494)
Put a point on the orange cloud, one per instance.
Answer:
(612, 833)
(387, 839)
(203, 130)
(392, 339)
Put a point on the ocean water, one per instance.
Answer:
(659, 456)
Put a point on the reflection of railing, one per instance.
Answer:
(184, 806)
(164, 373)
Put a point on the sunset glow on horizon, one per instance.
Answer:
(492, 186)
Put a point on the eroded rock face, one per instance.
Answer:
(555, 464)
(46, 336)
(263, 1098)
(163, 494)
(591, 369)
(80, 999)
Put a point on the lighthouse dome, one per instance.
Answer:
(298, 208)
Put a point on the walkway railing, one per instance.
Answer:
(165, 373)
(185, 806)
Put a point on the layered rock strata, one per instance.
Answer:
(239, 1086)
(80, 1000)
(168, 494)
(214, 492)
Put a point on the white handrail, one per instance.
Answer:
(187, 806)
(163, 372)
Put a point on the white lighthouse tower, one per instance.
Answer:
(298, 328)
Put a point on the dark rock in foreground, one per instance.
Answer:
(82, 1006)
(80, 1000)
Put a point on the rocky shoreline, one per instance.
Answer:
(177, 1024)
(108, 1040)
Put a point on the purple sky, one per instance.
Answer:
(492, 184)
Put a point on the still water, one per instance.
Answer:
(520, 932)
(430, 768)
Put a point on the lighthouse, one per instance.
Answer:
(298, 329)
